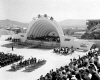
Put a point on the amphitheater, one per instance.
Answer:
(42, 25)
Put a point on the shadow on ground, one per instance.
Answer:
(81, 50)
(15, 45)
(27, 46)
(12, 70)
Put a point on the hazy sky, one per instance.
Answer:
(25, 10)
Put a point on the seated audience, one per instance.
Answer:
(64, 50)
(83, 68)
(9, 58)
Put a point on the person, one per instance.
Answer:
(87, 75)
(12, 47)
(95, 75)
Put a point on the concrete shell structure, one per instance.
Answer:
(44, 25)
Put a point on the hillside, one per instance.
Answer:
(10, 23)
(69, 23)
(73, 23)
(93, 33)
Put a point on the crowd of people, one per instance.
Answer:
(36, 65)
(64, 50)
(9, 38)
(13, 39)
(25, 63)
(86, 67)
(9, 58)
(45, 38)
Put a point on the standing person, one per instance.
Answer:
(12, 47)
(72, 50)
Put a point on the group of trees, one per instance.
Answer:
(93, 35)
(87, 35)
(69, 31)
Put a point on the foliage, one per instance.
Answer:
(93, 35)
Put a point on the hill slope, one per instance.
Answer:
(69, 23)
(72, 23)
(10, 23)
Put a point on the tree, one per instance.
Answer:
(68, 31)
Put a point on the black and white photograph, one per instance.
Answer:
(49, 39)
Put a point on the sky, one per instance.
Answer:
(25, 10)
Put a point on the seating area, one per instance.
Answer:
(9, 58)
(64, 50)
(86, 67)
(28, 64)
